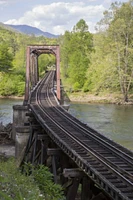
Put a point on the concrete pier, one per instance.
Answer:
(21, 129)
(19, 117)
(22, 135)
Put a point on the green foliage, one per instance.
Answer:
(45, 61)
(94, 63)
(14, 185)
(102, 74)
(76, 87)
(75, 49)
(13, 60)
(81, 26)
(118, 21)
(109, 67)
(44, 180)
(6, 58)
(11, 85)
(18, 186)
(4, 196)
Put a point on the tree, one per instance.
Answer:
(102, 75)
(119, 29)
(13, 59)
(76, 46)
(81, 27)
(6, 58)
(45, 61)
(65, 43)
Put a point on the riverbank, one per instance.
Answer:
(12, 97)
(113, 98)
(101, 98)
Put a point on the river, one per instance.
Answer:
(114, 121)
(6, 111)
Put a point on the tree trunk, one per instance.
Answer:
(125, 97)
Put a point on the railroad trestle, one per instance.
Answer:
(41, 149)
(88, 165)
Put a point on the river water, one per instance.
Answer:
(114, 121)
(6, 111)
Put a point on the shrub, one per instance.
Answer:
(76, 87)
(44, 179)
(17, 186)
(12, 85)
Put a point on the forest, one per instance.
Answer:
(94, 63)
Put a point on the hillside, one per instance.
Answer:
(32, 31)
(5, 26)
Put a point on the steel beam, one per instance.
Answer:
(58, 72)
(27, 81)
(32, 71)
(36, 68)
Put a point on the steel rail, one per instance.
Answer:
(111, 148)
(117, 167)
(81, 144)
(95, 137)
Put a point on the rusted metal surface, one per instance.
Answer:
(58, 73)
(32, 68)
(27, 80)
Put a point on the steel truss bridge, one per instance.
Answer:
(75, 153)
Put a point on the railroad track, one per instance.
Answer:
(108, 164)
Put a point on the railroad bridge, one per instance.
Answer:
(87, 164)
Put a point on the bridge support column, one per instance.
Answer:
(20, 129)
(74, 178)
(36, 148)
(19, 117)
(22, 135)
(54, 153)
(72, 190)
(86, 193)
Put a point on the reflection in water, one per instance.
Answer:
(114, 121)
(6, 110)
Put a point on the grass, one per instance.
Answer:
(38, 185)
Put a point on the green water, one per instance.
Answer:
(6, 111)
(114, 121)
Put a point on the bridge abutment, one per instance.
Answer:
(21, 129)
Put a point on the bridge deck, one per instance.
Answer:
(108, 164)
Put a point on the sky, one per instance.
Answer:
(54, 16)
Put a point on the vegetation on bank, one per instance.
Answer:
(95, 63)
(37, 185)
(108, 64)
(102, 97)
(13, 60)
